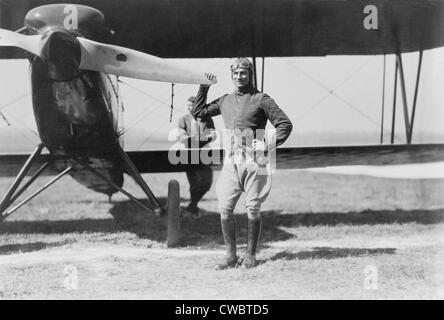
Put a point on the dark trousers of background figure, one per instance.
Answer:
(200, 179)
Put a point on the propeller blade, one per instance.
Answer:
(31, 44)
(113, 60)
(134, 64)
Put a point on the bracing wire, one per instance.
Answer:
(5, 116)
(329, 91)
(25, 128)
(151, 134)
(144, 114)
(4, 119)
(10, 103)
(332, 92)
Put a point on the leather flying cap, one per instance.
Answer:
(242, 63)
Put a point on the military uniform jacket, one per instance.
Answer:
(247, 109)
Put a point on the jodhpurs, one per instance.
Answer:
(237, 178)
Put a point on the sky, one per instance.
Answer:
(350, 114)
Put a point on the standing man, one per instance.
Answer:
(197, 133)
(244, 110)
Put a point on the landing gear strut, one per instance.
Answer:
(12, 194)
(171, 212)
(172, 209)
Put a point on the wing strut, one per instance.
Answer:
(255, 73)
(263, 74)
(383, 101)
(408, 120)
(404, 97)
(395, 86)
(412, 120)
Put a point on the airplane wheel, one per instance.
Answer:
(173, 214)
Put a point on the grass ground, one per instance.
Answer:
(324, 236)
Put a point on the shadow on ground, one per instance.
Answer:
(29, 247)
(367, 217)
(329, 253)
(129, 217)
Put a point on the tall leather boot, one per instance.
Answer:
(229, 233)
(254, 230)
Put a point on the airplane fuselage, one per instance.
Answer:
(76, 111)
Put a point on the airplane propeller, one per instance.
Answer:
(112, 59)
(31, 44)
(135, 64)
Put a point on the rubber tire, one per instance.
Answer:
(173, 214)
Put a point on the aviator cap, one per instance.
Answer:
(242, 63)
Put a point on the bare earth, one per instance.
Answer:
(324, 235)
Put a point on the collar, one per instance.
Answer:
(249, 89)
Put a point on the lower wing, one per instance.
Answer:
(286, 158)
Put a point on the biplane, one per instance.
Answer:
(74, 74)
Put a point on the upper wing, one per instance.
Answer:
(233, 28)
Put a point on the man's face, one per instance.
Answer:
(240, 77)
(189, 106)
